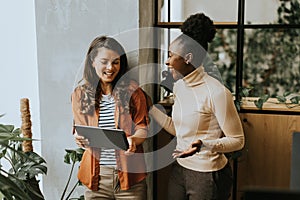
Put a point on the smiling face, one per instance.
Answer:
(107, 65)
(178, 62)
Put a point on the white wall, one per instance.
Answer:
(18, 66)
(43, 43)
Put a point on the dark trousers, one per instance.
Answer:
(186, 184)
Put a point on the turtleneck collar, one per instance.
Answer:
(195, 77)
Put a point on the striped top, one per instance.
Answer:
(106, 120)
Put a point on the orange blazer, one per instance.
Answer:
(132, 168)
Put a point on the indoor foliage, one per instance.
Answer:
(72, 156)
(271, 57)
(18, 179)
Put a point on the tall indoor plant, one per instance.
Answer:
(17, 181)
(18, 178)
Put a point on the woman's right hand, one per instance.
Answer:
(81, 141)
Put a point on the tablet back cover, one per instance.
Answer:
(103, 138)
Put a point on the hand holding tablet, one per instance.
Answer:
(103, 138)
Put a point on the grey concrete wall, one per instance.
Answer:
(65, 29)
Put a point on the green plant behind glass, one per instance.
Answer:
(271, 56)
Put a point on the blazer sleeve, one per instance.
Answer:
(76, 96)
(139, 111)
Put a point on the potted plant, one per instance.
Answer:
(18, 177)
(72, 156)
(19, 180)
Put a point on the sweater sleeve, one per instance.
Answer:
(225, 111)
(163, 120)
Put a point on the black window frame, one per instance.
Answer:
(240, 26)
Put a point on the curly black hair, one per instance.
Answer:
(200, 28)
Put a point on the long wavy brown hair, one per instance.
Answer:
(91, 87)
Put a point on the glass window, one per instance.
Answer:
(272, 12)
(222, 51)
(181, 9)
(270, 38)
(272, 61)
(167, 36)
(261, 13)
(221, 60)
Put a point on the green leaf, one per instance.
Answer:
(69, 150)
(30, 166)
(295, 99)
(35, 170)
(67, 159)
(237, 105)
(285, 94)
(80, 150)
(265, 98)
(32, 187)
(35, 157)
(13, 136)
(259, 103)
(281, 99)
(18, 131)
(73, 155)
(11, 190)
(6, 128)
(5, 136)
(245, 91)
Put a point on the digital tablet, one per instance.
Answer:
(103, 138)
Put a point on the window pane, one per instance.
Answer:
(167, 36)
(272, 61)
(272, 11)
(223, 53)
(181, 9)
(221, 62)
(162, 10)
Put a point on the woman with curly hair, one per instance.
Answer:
(204, 118)
(108, 100)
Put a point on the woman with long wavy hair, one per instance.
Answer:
(105, 99)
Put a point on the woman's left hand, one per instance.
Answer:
(194, 148)
(132, 146)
